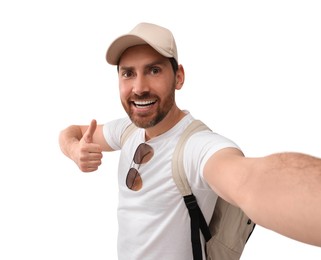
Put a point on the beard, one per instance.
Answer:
(146, 120)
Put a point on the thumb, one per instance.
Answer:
(88, 135)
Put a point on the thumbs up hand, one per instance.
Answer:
(89, 154)
(89, 134)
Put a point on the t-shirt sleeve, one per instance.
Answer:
(113, 131)
(201, 146)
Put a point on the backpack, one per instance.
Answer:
(229, 228)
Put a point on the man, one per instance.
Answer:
(281, 192)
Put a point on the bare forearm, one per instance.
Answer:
(283, 193)
(68, 137)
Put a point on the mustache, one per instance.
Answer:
(143, 96)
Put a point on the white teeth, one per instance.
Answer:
(144, 102)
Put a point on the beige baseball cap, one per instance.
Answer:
(159, 38)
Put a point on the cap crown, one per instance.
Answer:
(159, 38)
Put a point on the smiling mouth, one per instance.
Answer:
(144, 103)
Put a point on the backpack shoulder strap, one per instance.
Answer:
(229, 228)
(198, 221)
(128, 131)
(177, 162)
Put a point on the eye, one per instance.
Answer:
(127, 74)
(154, 70)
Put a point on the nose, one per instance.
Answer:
(140, 85)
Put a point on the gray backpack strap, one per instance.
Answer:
(177, 162)
(128, 131)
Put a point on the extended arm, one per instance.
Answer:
(84, 145)
(281, 192)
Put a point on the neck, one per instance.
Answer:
(171, 119)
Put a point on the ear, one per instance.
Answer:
(180, 77)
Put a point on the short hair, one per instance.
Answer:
(174, 64)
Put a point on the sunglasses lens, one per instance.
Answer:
(143, 153)
(133, 180)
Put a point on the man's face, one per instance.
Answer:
(146, 85)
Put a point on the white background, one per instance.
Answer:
(252, 74)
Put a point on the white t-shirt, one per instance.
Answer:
(154, 222)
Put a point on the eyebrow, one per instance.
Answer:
(126, 68)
